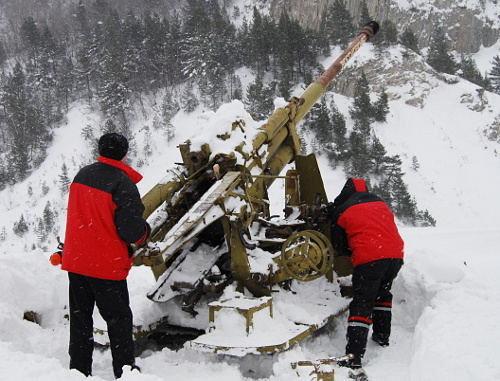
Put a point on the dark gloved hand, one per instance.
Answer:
(328, 208)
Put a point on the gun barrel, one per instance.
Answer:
(281, 125)
(295, 111)
(312, 94)
(366, 34)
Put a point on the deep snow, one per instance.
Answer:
(446, 296)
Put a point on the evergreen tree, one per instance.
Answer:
(358, 163)
(438, 56)
(148, 151)
(362, 108)
(259, 99)
(81, 16)
(410, 40)
(339, 132)
(236, 88)
(425, 219)
(306, 46)
(339, 24)
(323, 39)
(21, 227)
(3, 56)
(189, 101)
(397, 195)
(173, 51)
(414, 163)
(50, 56)
(64, 180)
(387, 36)
(259, 42)
(101, 8)
(197, 17)
(285, 55)
(42, 69)
(209, 49)
(45, 189)
(30, 36)
(113, 86)
(213, 89)
(225, 45)
(384, 193)
(85, 72)
(378, 155)
(66, 84)
(494, 75)
(109, 126)
(4, 174)
(381, 107)
(390, 32)
(157, 124)
(364, 16)
(133, 36)
(48, 217)
(88, 133)
(24, 122)
(161, 51)
(169, 107)
(40, 231)
(242, 35)
(469, 71)
(169, 131)
(319, 120)
(404, 205)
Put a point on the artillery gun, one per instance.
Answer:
(212, 227)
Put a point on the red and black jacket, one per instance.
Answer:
(104, 218)
(363, 226)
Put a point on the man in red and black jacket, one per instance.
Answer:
(104, 218)
(363, 228)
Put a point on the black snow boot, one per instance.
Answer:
(354, 363)
(358, 374)
(381, 340)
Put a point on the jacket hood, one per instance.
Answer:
(129, 171)
(351, 186)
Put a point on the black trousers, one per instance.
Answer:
(112, 300)
(371, 303)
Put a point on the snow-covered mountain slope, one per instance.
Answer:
(445, 298)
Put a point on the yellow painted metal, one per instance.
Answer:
(275, 146)
(307, 255)
(246, 311)
(324, 375)
(311, 182)
(302, 333)
(159, 194)
(319, 373)
(240, 267)
(292, 192)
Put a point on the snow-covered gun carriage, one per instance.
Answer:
(212, 227)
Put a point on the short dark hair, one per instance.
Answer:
(113, 146)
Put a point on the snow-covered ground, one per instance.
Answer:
(446, 300)
(446, 296)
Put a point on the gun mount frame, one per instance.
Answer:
(212, 214)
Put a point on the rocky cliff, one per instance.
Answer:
(469, 24)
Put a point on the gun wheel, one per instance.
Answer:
(307, 255)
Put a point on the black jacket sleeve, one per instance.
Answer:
(339, 240)
(129, 210)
